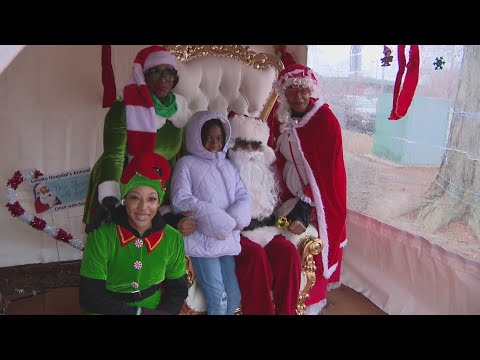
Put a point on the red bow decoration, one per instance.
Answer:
(402, 99)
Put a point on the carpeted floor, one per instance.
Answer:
(345, 301)
(64, 301)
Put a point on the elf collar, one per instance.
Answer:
(152, 240)
(152, 237)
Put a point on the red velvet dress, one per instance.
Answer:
(320, 144)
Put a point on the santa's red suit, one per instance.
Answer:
(311, 147)
(268, 267)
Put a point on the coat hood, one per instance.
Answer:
(193, 131)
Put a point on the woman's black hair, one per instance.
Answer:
(175, 81)
(209, 124)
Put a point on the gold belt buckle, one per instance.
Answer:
(282, 222)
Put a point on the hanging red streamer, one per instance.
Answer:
(402, 99)
(108, 78)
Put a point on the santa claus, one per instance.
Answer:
(308, 141)
(45, 198)
(268, 268)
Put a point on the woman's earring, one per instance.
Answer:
(123, 201)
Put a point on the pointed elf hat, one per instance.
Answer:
(140, 112)
(146, 170)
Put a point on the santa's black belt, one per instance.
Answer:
(255, 223)
(137, 295)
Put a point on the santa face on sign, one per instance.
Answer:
(44, 197)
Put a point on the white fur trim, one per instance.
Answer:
(331, 270)
(108, 188)
(262, 235)
(250, 129)
(137, 75)
(307, 78)
(284, 116)
(269, 154)
(315, 309)
(180, 119)
(159, 58)
(306, 199)
(306, 118)
(159, 121)
(295, 239)
(344, 243)
(333, 286)
(317, 197)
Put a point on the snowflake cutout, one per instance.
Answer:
(439, 63)
(139, 243)
(137, 265)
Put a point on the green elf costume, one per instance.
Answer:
(138, 123)
(124, 273)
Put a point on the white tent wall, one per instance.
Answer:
(403, 273)
(51, 118)
(7, 54)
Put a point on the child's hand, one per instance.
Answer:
(187, 226)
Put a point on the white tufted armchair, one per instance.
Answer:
(234, 78)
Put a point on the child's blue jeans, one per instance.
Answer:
(216, 277)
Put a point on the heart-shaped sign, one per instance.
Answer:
(37, 223)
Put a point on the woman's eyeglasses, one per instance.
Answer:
(156, 74)
(297, 90)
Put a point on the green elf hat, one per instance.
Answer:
(148, 169)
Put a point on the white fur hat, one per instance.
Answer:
(248, 128)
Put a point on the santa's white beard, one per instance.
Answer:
(259, 179)
(48, 199)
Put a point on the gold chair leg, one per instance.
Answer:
(307, 248)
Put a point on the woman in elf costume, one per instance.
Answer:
(149, 118)
(136, 263)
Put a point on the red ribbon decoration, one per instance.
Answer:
(403, 99)
(108, 78)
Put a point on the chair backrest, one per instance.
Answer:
(227, 78)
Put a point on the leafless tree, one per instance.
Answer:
(455, 193)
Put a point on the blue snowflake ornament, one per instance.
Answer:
(439, 63)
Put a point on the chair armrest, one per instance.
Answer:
(190, 271)
(307, 248)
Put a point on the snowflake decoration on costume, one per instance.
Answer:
(137, 265)
(439, 63)
(139, 243)
(134, 285)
